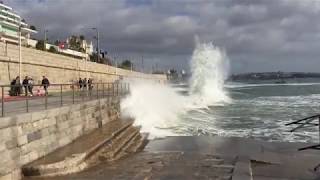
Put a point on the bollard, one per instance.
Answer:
(46, 102)
(72, 94)
(61, 103)
(97, 91)
(117, 89)
(102, 90)
(109, 90)
(113, 91)
(27, 104)
(82, 93)
(2, 101)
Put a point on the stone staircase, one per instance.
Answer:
(128, 141)
(124, 140)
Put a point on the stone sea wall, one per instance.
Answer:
(27, 137)
(59, 68)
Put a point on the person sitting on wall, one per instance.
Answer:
(17, 86)
(45, 83)
(12, 88)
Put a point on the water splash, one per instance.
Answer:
(154, 106)
(157, 107)
(209, 68)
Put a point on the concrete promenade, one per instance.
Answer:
(18, 105)
(217, 158)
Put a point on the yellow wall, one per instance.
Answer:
(58, 68)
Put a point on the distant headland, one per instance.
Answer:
(273, 76)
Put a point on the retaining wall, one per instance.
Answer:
(58, 68)
(27, 137)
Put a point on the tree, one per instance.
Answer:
(32, 27)
(105, 61)
(102, 60)
(127, 64)
(40, 45)
(53, 49)
(82, 50)
(82, 37)
(56, 42)
(75, 43)
(93, 57)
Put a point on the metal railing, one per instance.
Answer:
(305, 123)
(21, 99)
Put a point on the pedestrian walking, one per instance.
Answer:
(84, 82)
(90, 86)
(80, 83)
(25, 84)
(30, 87)
(45, 83)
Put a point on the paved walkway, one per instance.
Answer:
(217, 158)
(22, 104)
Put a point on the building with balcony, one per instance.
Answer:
(10, 23)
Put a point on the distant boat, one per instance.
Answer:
(281, 82)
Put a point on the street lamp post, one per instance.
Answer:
(86, 59)
(115, 59)
(98, 47)
(45, 40)
(142, 64)
(20, 54)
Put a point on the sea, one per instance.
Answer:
(259, 111)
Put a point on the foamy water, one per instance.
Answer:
(258, 112)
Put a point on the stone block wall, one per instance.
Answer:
(58, 68)
(27, 137)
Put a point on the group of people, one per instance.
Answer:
(27, 84)
(84, 83)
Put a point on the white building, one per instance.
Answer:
(9, 32)
(9, 26)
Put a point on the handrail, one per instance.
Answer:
(297, 121)
(54, 84)
(307, 122)
(36, 97)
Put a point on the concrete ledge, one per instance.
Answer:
(242, 169)
(14, 175)
(106, 141)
